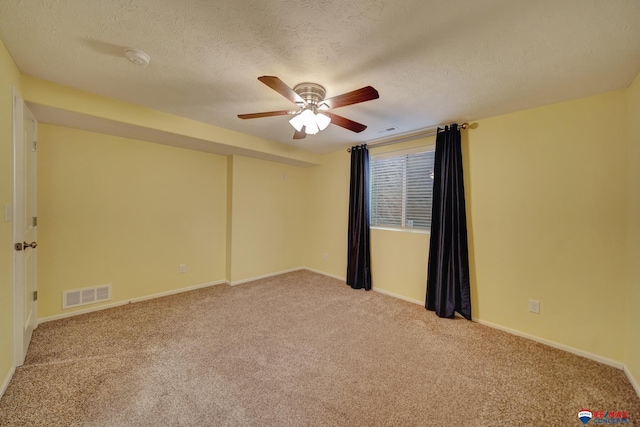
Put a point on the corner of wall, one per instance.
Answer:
(632, 341)
(229, 244)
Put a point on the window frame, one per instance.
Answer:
(398, 153)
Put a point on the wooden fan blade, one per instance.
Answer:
(280, 87)
(300, 135)
(361, 95)
(345, 123)
(265, 114)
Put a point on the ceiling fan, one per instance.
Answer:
(313, 113)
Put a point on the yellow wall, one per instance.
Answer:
(268, 223)
(398, 259)
(126, 212)
(9, 78)
(632, 356)
(546, 201)
(327, 209)
(399, 263)
(226, 141)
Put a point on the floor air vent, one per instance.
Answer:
(85, 296)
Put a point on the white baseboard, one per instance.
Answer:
(333, 276)
(382, 291)
(632, 380)
(79, 312)
(134, 300)
(263, 276)
(178, 291)
(6, 382)
(555, 344)
(402, 297)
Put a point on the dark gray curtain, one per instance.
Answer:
(359, 258)
(448, 276)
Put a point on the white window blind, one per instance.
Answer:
(401, 189)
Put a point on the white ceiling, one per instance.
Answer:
(432, 61)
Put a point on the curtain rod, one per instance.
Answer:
(408, 136)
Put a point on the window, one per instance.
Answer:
(401, 187)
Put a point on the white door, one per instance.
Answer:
(24, 227)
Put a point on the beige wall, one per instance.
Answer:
(126, 212)
(268, 222)
(9, 78)
(632, 338)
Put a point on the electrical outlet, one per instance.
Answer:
(8, 213)
(182, 268)
(325, 257)
(534, 306)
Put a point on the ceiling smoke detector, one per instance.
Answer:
(136, 56)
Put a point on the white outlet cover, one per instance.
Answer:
(534, 306)
(8, 213)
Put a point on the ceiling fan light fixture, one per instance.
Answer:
(312, 122)
(312, 129)
(297, 122)
(310, 125)
(323, 121)
(312, 113)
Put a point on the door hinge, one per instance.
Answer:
(34, 221)
(35, 145)
(35, 295)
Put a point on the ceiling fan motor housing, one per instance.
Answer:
(312, 93)
(310, 100)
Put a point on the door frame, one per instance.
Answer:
(19, 285)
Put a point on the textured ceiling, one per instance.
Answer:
(431, 61)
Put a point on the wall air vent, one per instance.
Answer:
(78, 297)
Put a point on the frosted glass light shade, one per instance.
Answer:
(322, 121)
(297, 122)
(311, 128)
(313, 123)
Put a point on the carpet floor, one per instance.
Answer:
(298, 349)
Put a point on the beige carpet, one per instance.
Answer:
(298, 350)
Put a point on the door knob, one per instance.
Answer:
(25, 246)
